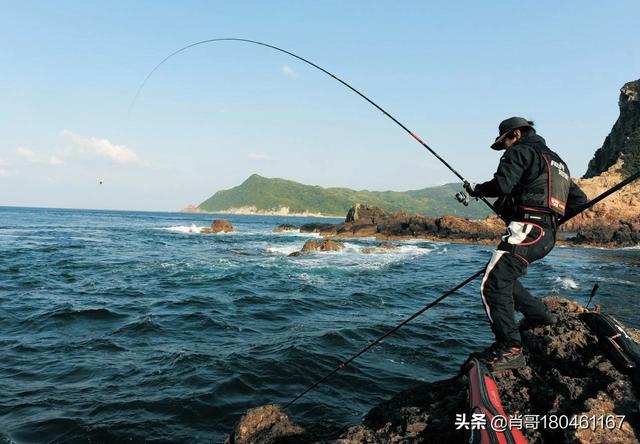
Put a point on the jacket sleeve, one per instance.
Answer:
(576, 199)
(512, 166)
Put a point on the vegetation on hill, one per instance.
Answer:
(267, 194)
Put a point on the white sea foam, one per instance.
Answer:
(566, 283)
(352, 257)
(285, 249)
(193, 229)
(296, 233)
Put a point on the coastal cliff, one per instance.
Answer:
(624, 140)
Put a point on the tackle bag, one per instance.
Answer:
(622, 350)
(485, 399)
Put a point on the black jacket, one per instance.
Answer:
(520, 164)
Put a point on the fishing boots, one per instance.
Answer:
(505, 358)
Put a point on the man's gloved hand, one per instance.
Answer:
(470, 188)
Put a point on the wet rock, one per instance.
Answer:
(366, 215)
(382, 247)
(218, 226)
(317, 227)
(265, 425)
(612, 235)
(285, 228)
(295, 254)
(365, 221)
(322, 245)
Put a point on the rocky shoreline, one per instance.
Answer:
(611, 223)
(567, 373)
(365, 221)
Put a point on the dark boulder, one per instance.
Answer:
(316, 227)
(284, 228)
(321, 245)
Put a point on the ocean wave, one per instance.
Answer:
(355, 249)
(102, 344)
(286, 249)
(140, 325)
(192, 229)
(296, 233)
(566, 283)
(87, 314)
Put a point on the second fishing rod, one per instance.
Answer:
(462, 284)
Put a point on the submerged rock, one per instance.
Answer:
(567, 373)
(382, 247)
(284, 228)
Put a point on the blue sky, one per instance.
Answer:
(215, 114)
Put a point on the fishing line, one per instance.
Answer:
(411, 133)
(421, 142)
(584, 207)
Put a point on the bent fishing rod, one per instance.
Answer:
(471, 278)
(228, 39)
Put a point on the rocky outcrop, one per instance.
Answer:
(264, 424)
(218, 226)
(369, 221)
(324, 245)
(382, 247)
(321, 245)
(624, 139)
(615, 221)
(567, 373)
(191, 209)
(285, 228)
(316, 227)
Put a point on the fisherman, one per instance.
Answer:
(534, 189)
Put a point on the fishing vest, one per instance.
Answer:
(550, 190)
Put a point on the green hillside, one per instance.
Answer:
(271, 194)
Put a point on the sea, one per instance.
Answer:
(124, 326)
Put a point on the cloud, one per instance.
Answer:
(33, 157)
(258, 156)
(27, 154)
(55, 161)
(287, 70)
(101, 147)
(4, 168)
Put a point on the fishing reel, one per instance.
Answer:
(463, 198)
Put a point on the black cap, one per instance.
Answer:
(508, 125)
